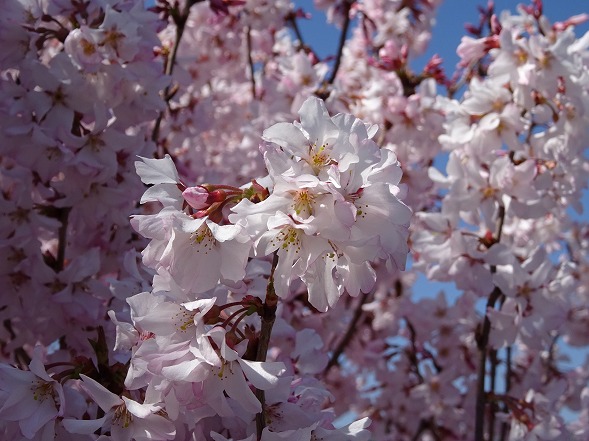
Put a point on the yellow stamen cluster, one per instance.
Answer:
(288, 237)
(203, 238)
(319, 157)
(303, 203)
(122, 416)
(42, 390)
(184, 320)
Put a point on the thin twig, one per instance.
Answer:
(180, 22)
(248, 39)
(413, 354)
(292, 20)
(341, 346)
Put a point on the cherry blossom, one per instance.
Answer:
(212, 231)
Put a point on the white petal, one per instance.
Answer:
(263, 375)
(289, 137)
(102, 396)
(83, 426)
(157, 171)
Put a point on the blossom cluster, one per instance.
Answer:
(183, 261)
(331, 192)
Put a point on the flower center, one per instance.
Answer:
(303, 203)
(122, 417)
(203, 238)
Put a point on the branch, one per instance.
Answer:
(494, 360)
(342, 40)
(505, 425)
(248, 39)
(267, 317)
(292, 20)
(341, 346)
(413, 355)
(180, 20)
(482, 342)
(426, 426)
(62, 238)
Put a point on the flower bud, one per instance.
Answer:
(197, 197)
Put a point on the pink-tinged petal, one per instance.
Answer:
(345, 212)
(237, 388)
(324, 291)
(41, 416)
(358, 426)
(227, 353)
(140, 410)
(223, 233)
(84, 427)
(288, 136)
(121, 432)
(36, 365)
(102, 396)
(157, 171)
(234, 257)
(156, 427)
(489, 122)
(185, 371)
(20, 403)
(168, 194)
(358, 278)
(196, 197)
(316, 121)
(262, 374)
(303, 434)
(214, 396)
(353, 432)
(499, 254)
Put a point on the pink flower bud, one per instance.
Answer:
(197, 197)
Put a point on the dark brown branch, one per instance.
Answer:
(494, 361)
(180, 19)
(295, 27)
(62, 238)
(505, 425)
(482, 343)
(413, 354)
(341, 346)
(268, 316)
(292, 20)
(426, 426)
(250, 61)
(347, 5)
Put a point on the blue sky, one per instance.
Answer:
(449, 29)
